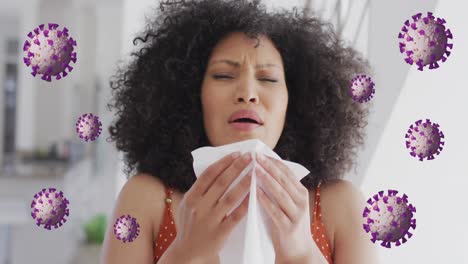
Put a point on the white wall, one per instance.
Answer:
(437, 188)
(350, 19)
(404, 95)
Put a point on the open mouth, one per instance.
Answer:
(245, 124)
(245, 120)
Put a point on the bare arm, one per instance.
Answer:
(143, 198)
(345, 204)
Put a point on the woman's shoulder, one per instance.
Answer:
(146, 184)
(142, 198)
(146, 179)
(146, 192)
(340, 198)
(342, 203)
(339, 189)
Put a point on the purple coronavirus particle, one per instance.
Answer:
(424, 140)
(362, 88)
(425, 41)
(388, 218)
(49, 51)
(88, 127)
(126, 228)
(49, 208)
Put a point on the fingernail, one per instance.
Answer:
(235, 154)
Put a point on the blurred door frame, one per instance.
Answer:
(9, 89)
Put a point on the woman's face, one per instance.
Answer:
(242, 77)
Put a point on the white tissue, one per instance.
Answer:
(250, 241)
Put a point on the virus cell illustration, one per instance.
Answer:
(49, 208)
(49, 52)
(389, 218)
(126, 228)
(425, 41)
(362, 88)
(88, 127)
(424, 139)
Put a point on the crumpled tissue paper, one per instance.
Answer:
(250, 241)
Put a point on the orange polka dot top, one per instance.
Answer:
(167, 230)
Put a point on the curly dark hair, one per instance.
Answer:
(157, 94)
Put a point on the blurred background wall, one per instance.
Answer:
(39, 147)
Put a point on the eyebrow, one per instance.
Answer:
(237, 64)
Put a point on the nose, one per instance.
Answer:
(247, 91)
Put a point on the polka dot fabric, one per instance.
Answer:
(167, 230)
(318, 229)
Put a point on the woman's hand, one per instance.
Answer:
(287, 204)
(203, 223)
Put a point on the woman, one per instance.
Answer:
(214, 72)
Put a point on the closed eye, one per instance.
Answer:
(222, 77)
(269, 80)
(229, 77)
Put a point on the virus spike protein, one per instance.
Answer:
(425, 41)
(49, 208)
(362, 88)
(389, 218)
(88, 127)
(126, 228)
(424, 140)
(49, 52)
